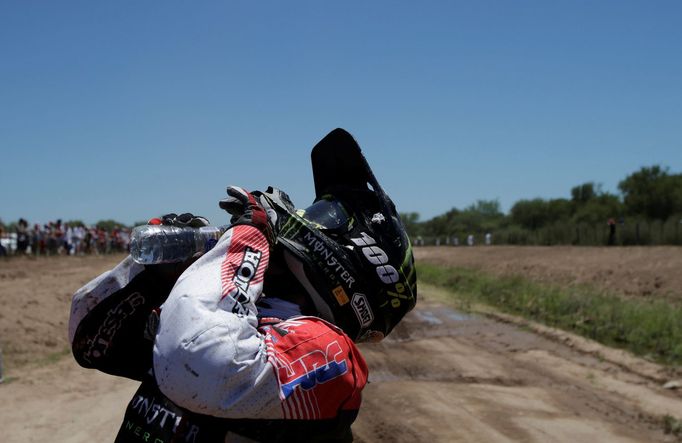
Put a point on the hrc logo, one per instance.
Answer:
(311, 369)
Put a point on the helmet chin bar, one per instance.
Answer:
(296, 268)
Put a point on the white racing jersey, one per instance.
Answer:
(217, 368)
(210, 356)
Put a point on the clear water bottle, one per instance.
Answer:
(154, 244)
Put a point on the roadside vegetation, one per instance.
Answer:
(673, 426)
(652, 329)
(646, 211)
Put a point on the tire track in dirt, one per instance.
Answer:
(446, 377)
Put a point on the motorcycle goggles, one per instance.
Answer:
(328, 214)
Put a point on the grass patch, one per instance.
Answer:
(647, 328)
(54, 357)
(38, 362)
(673, 426)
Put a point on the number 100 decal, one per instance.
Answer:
(387, 273)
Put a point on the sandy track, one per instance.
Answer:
(63, 403)
(441, 377)
(447, 378)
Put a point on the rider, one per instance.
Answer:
(256, 338)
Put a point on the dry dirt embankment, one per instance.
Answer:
(442, 376)
(636, 271)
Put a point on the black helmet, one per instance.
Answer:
(349, 250)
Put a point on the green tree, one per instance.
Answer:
(75, 223)
(583, 193)
(109, 225)
(652, 192)
(486, 208)
(411, 222)
(530, 214)
(481, 216)
(559, 209)
(599, 209)
(441, 224)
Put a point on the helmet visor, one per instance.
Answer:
(327, 214)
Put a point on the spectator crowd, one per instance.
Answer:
(57, 238)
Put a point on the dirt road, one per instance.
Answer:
(441, 377)
(445, 377)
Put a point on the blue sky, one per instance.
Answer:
(131, 109)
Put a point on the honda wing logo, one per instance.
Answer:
(314, 368)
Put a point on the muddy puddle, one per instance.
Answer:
(432, 321)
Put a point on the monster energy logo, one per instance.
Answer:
(155, 416)
(328, 258)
